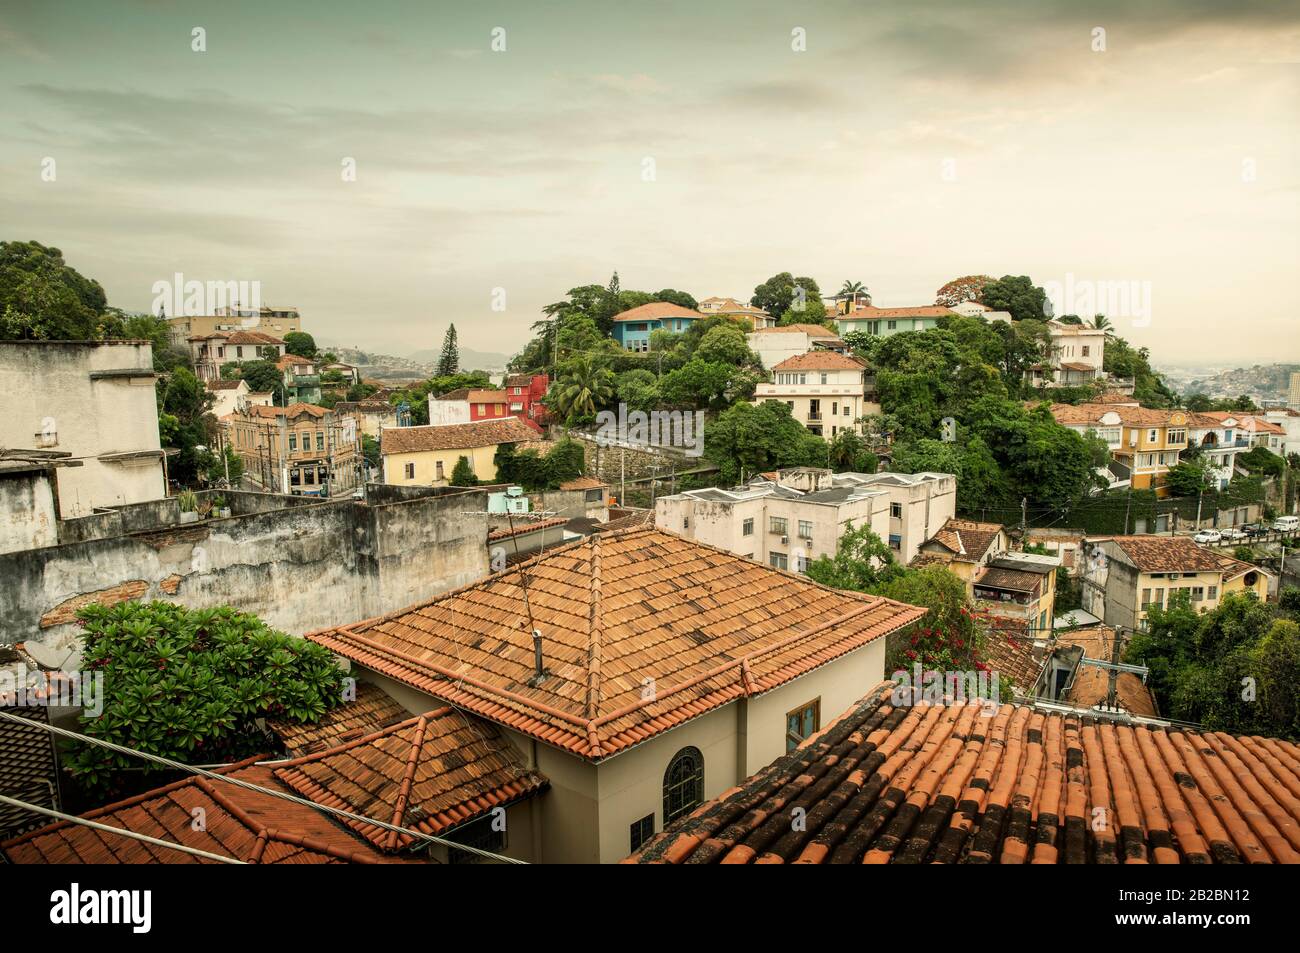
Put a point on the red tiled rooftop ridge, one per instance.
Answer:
(642, 630)
(430, 773)
(948, 784)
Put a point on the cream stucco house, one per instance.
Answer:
(638, 672)
(427, 456)
(786, 522)
(826, 391)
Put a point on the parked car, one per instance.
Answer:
(1232, 534)
(1255, 529)
(1207, 536)
(1286, 524)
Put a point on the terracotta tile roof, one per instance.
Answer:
(657, 311)
(246, 825)
(293, 410)
(967, 540)
(241, 337)
(488, 397)
(1016, 580)
(812, 330)
(704, 625)
(1091, 684)
(629, 520)
(1009, 651)
(293, 360)
(821, 361)
(732, 306)
(224, 384)
(1167, 554)
(1130, 416)
(947, 784)
(365, 407)
(583, 483)
(1232, 568)
(526, 527)
(373, 708)
(870, 312)
(484, 433)
(430, 773)
(1077, 366)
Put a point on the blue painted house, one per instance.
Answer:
(632, 328)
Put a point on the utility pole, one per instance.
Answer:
(622, 476)
(1113, 677)
(1024, 517)
(1128, 502)
(1199, 495)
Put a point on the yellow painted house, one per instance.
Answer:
(427, 456)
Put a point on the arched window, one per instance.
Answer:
(683, 784)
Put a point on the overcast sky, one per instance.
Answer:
(908, 144)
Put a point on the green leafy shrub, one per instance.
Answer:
(189, 684)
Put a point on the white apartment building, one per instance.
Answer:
(1220, 438)
(826, 391)
(1289, 420)
(787, 522)
(1077, 354)
(94, 400)
(919, 504)
(756, 317)
(774, 345)
(212, 352)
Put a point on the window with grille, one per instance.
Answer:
(642, 831)
(683, 784)
(480, 834)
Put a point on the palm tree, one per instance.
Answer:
(1102, 323)
(584, 385)
(852, 291)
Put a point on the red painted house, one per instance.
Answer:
(521, 397)
(525, 393)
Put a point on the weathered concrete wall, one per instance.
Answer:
(28, 518)
(300, 568)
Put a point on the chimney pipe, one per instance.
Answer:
(538, 670)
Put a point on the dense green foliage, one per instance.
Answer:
(449, 359)
(1234, 668)
(300, 343)
(462, 474)
(189, 684)
(564, 461)
(42, 298)
(747, 439)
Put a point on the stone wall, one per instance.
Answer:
(302, 567)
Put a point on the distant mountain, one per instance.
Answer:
(1261, 381)
(470, 359)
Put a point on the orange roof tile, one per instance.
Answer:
(821, 361)
(524, 527)
(1091, 684)
(246, 825)
(888, 783)
(641, 631)
(870, 312)
(812, 330)
(583, 483)
(656, 311)
(430, 773)
(373, 708)
(1167, 554)
(484, 433)
(967, 540)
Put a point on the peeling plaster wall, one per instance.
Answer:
(27, 511)
(300, 568)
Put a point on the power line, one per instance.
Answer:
(248, 786)
(122, 831)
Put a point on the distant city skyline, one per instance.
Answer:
(698, 147)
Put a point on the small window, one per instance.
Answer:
(293, 442)
(410, 471)
(683, 784)
(802, 723)
(1212, 592)
(778, 560)
(896, 511)
(642, 831)
(747, 527)
(482, 834)
(686, 522)
(320, 440)
(777, 525)
(805, 529)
